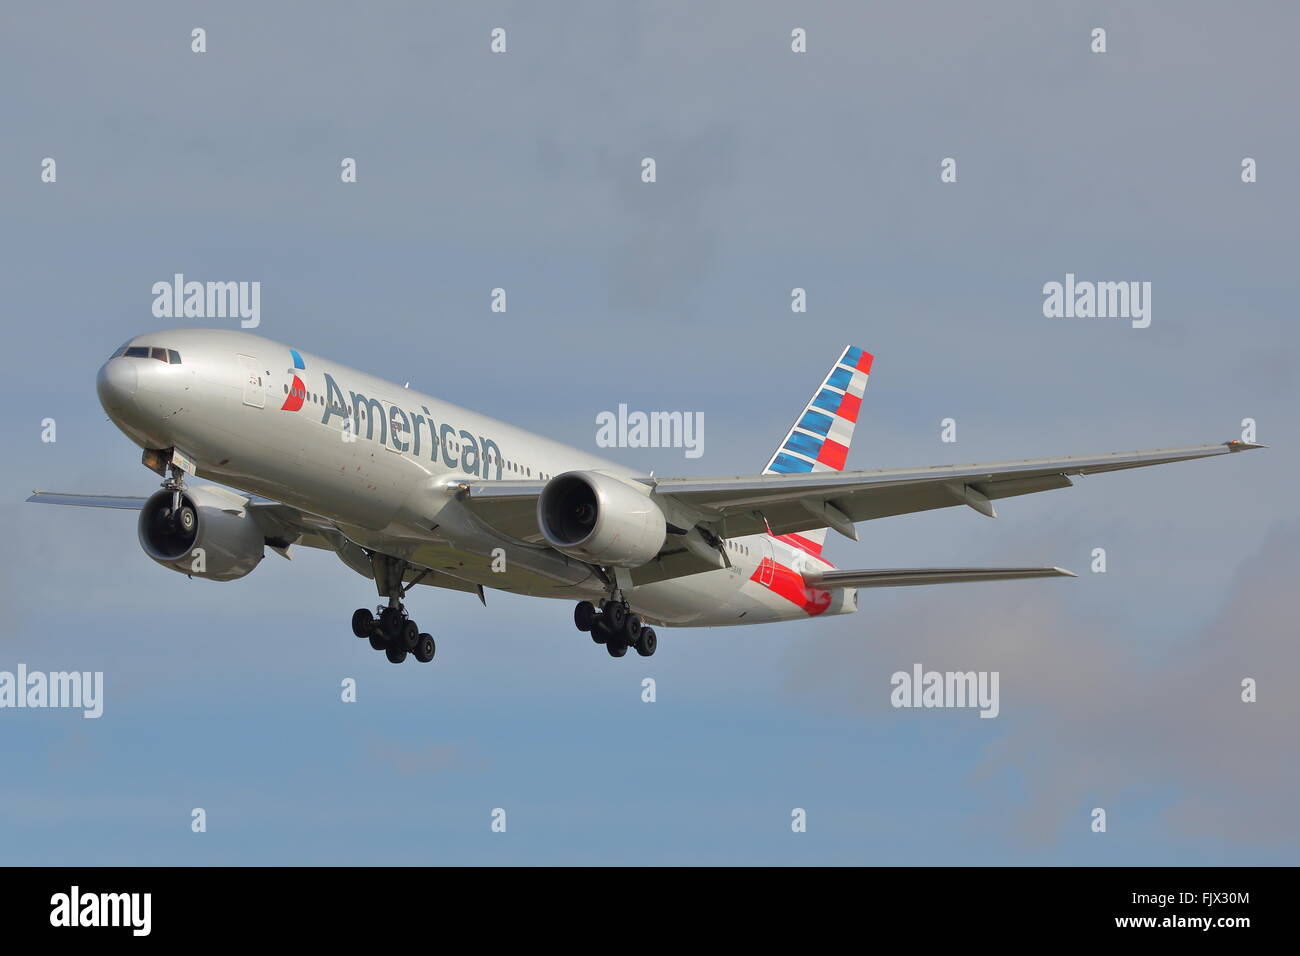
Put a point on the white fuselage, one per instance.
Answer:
(377, 460)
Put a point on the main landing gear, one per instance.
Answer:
(616, 626)
(393, 631)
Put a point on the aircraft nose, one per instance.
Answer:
(116, 383)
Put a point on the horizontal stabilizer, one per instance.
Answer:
(906, 577)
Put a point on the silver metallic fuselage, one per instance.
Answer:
(257, 416)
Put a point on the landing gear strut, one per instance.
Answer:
(616, 626)
(393, 631)
(180, 518)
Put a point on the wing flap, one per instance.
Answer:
(507, 489)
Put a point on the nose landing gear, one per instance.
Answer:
(616, 626)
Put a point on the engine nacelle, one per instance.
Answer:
(601, 520)
(210, 536)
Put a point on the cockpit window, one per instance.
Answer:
(170, 356)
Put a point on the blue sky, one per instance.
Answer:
(775, 170)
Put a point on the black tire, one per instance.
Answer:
(599, 633)
(425, 649)
(186, 519)
(584, 615)
(645, 646)
(616, 648)
(362, 621)
(395, 654)
(631, 628)
(408, 636)
(377, 640)
(390, 622)
(613, 616)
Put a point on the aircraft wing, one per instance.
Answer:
(751, 504)
(281, 524)
(787, 503)
(125, 502)
(283, 527)
(907, 577)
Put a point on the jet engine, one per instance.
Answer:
(211, 535)
(601, 520)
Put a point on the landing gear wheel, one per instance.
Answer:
(362, 622)
(424, 649)
(377, 641)
(614, 615)
(395, 654)
(390, 622)
(631, 628)
(186, 519)
(584, 615)
(408, 636)
(647, 642)
(616, 648)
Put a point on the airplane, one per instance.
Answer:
(409, 489)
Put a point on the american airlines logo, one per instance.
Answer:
(297, 391)
(402, 430)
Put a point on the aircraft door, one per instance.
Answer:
(250, 371)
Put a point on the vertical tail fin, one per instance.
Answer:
(820, 438)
